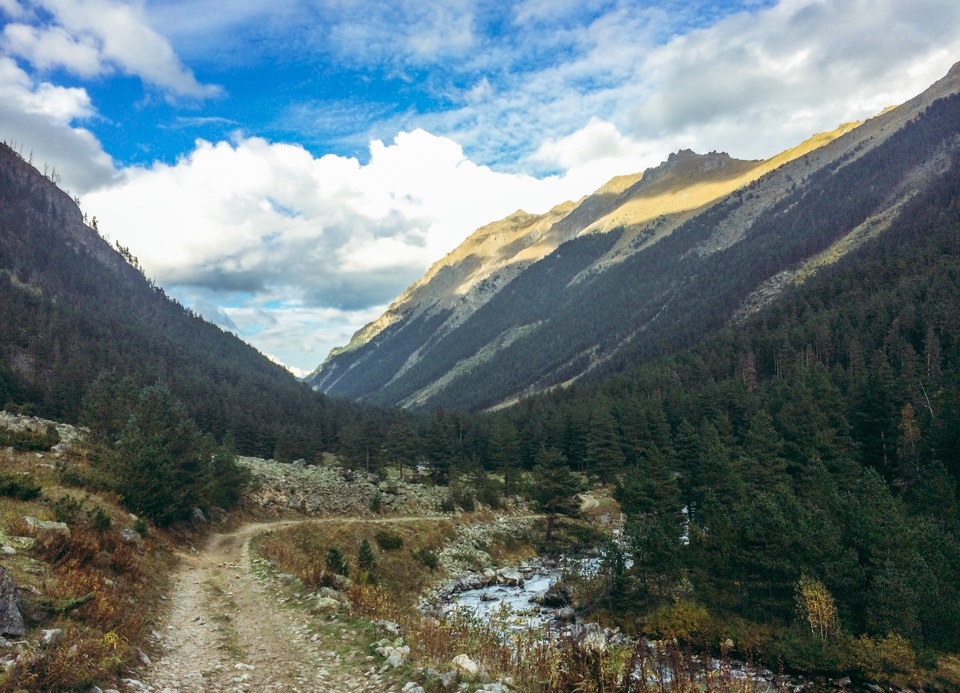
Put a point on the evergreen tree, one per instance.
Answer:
(555, 487)
(161, 459)
(604, 455)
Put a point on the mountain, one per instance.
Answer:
(647, 264)
(73, 308)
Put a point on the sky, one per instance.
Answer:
(287, 168)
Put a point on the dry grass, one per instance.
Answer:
(98, 589)
(531, 661)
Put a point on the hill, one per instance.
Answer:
(73, 308)
(648, 264)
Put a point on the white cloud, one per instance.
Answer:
(51, 47)
(42, 118)
(261, 220)
(93, 37)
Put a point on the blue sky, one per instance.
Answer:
(287, 168)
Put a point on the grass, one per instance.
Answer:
(528, 661)
(91, 584)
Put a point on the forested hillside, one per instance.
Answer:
(815, 446)
(585, 310)
(73, 309)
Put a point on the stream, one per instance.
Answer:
(510, 600)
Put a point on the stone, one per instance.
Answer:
(143, 657)
(566, 614)
(495, 687)
(448, 679)
(11, 618)
(46, 524)
(325, 605)
(595, 640)
(510, 577)
(198, 515)
(9, 550)
(52, 636)
(395, 661)
(412, 687)
(130, 536)
(462, 664)
(560, 594)
(389, 627)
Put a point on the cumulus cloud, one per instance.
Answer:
(253, 219)
(42, 118)
(94, 37)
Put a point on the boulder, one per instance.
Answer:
(130, 536)
(46, 524)
(11, 619)
(325, 605)
(52, 636)
(559, 595)
(462, 664)
(510, 577)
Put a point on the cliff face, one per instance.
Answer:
(533, 301)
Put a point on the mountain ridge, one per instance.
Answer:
(719, 201)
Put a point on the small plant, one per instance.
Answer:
(337, 562)
(376, 503)
(427, 557)
(388, 541)
(365, 558)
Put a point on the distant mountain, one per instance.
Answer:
(73, 307)
(647, 264)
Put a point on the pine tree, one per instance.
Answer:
(555, 487)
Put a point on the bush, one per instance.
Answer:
(19, 488)
(28, 440)
(427, 557)
(388, 541)
(884, 659)
(365, 558)
(683, 621)
(337, 562)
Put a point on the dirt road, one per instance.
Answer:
(228, 631)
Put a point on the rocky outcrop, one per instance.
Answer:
(320, 490)
(11, 619)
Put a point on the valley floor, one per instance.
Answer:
(226, 630)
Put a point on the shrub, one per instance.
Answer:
(427, 557)
(336, 562)
(28, 440)
(388, 541)
(683, 621)
(365, 558)
(20, 488)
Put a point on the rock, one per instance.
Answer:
(9, 550)
(46, 524)
(728, 644)
(412, 687)
(389, 627)
(143, 657)
(448, 679)
(594, 640)
(844, 682)
(395, 661)
(11, 619)
(462, 664)
(489, 576)
(325, 605)
(559, 595)
(131, 536)
(567, 614)
(52, 636)
(495, 687)
(198, 515)
(510, 577)
(487, 597)
(5, 644)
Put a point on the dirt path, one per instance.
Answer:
(228, 631)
